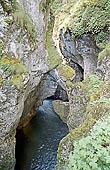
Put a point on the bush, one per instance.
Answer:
(93, 151)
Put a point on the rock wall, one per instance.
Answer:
(22, 67)
(81, 35)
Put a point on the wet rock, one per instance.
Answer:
(61, 108)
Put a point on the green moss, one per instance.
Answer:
(91, 85)
(5, 60)
(88, 86)
(97, 107)
(25, 22)
(104, 53)
(9, 21)
(53, 56)
(55, 5)
(87, 16)
(19, 68)
(94, 18)
(95, 111)
(94, 95)
(17, 81)
(66, 71)
(66, 143)
(13, 68)
(89, 90)
(103, 91)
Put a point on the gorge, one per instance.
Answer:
(56, 50)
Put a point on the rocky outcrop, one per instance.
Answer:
(88, 104)
(103, 65)
(22, 67)
(76, 36)
(82, 51)
(81, 35)
(61, 108)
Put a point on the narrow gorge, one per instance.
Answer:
(54, 76)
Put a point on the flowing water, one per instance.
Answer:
(37, 144)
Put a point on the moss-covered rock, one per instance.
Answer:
(104, 53)
(103, 65)
(89, 102)
(79, 96)
(65, 147)
(54, 58)
(13, 69)
(66, 72)
(24, 21)
(88, 16)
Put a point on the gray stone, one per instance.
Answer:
(15, 103)
(62, 109)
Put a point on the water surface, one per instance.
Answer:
(37, 145)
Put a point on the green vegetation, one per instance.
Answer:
(12, 69)
(25, 22)
(95, 97)
(53, 56)
(93, 151)
(94, 18)
(94, 111)
(92, 107)
(87, 16)
(55, 5)
(66, 71)
(55, 60)
(100, 37)
(20, 17)
(91, 85)
(95, 107)
(105, 52)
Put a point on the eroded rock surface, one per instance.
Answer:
(22, 67)
(62, 109)
(81, 35)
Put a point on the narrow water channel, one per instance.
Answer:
(37, 144)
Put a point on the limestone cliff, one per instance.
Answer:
(22, 67)
(81, 35)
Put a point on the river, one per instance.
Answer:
(37, 144)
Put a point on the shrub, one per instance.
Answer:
(93, 151)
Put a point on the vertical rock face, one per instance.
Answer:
(82, 35)
(22, 67)
(81, 51)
